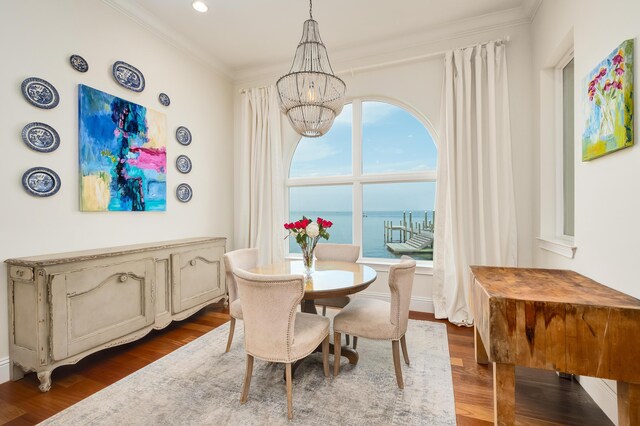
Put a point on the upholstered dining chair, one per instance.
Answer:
(340, 252)
(242, 259)
(273, 330)
(378, 319)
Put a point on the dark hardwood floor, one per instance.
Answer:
(542, 398)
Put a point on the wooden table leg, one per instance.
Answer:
(481, 352)
(504, 394)
(628, 404)
(309, 306)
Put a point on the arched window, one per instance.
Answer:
(374, 176)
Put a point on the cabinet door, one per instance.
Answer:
(95, 305)
(196, 276)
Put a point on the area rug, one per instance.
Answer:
(199, 384)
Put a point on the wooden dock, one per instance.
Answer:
(419, 243)
(412, 237)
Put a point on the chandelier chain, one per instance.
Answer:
(310, 10)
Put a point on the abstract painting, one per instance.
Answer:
(609, 104)
(123, 158)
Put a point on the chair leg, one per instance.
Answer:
(348, 339)
(232, 328)
(247, 380)
(355, 342)
(337, 349)
(403, 343)
(396, 362)
(325, 355)
(289, 392)
(324, 311)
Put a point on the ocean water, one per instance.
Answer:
(373, 244)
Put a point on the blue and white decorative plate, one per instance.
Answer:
(183, 135)
(184, 192)
(41, 182)
(78, 63)
(164, 99)
(183, 164)
(128, 76)
(40, 93)
(40, 137)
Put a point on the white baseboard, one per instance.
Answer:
(5, 370)
(418, 303)
(603, 395)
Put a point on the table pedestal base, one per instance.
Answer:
(309, 306)
(346, 352)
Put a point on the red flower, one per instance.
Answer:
(618, 59)
(603, 72)
(328, 224)
(617, 84)
(619, 71)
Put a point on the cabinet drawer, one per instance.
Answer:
(93, 306)
(197, 277)
(21, 273)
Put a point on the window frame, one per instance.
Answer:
(560, 213)
(357, 178)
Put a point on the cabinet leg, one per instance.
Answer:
(628, 404)
(45, 380)
(504, 394)
(16, 372)
(481, 352)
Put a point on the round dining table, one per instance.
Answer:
(329, 279)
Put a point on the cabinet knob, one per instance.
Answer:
(192, 262)
(123, 278)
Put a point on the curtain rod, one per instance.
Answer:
(352, 71)
(242, 91)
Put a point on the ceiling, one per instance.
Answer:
(244, 36)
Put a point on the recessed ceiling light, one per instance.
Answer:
(200, 6)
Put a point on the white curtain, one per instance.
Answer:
(476, 221)
(259, 192)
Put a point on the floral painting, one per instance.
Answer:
(123, 158)
(609, 105)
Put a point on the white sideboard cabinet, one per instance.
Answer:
(66, 306)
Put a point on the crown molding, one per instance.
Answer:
(404, 46)
(147, 20)
(345, 57)
(530, 8)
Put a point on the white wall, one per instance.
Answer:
(606, 189)
(37, 39)
(419, 85)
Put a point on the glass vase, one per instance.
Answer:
(607, 125)
(307, 259)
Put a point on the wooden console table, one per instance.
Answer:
(555, 320)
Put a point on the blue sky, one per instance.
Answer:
(393, 141)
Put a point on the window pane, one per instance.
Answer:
(568, 151)
(393, 141)
(398, 219)
(328, 155)
(330, 203)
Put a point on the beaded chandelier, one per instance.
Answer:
(310, 94)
